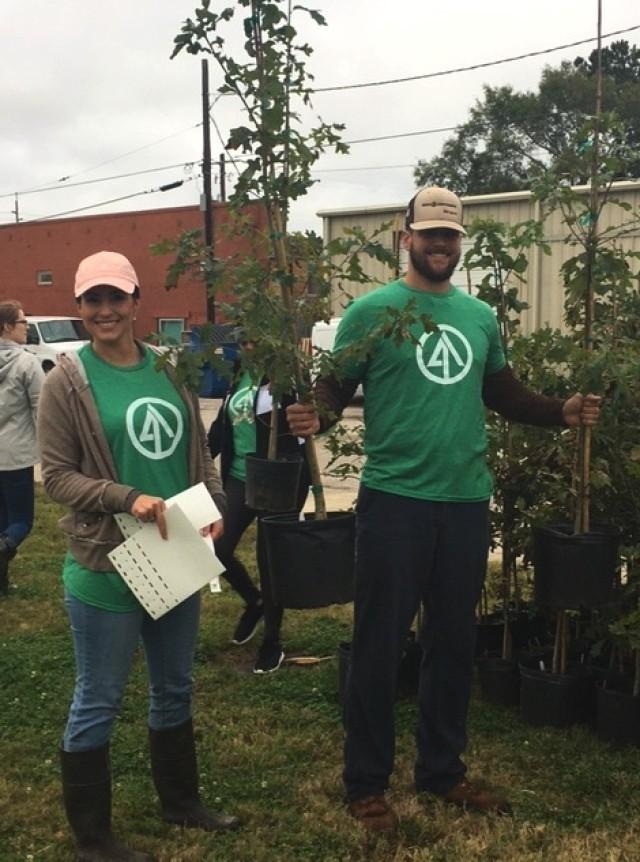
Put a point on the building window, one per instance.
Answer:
(172, 328)
(44, 278)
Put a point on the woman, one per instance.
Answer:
(116, 435)
(242, 427)
(21, 379)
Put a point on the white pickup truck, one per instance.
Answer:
(48, 338)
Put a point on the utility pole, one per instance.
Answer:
(16, 211)
(223, 179)
(207, 204)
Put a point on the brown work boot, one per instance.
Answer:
(375, 813)
(476, 796)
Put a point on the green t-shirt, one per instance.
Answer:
(241, 414)
(424, 416)
(146, 424)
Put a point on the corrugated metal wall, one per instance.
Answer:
(543, 288)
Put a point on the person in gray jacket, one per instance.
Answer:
(20, 382)
(118, 435)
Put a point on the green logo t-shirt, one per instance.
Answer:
(241, 414)
(424, 416)
(146, 424)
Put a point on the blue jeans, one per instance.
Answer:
(105, 643)
(411, 552)
(16, 504)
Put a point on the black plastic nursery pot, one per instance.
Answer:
(554, 699)
(272, 486)
(499, 680)
(489, 632)
(311, 562)
(574, 570)
(528, 631)
(618, 712)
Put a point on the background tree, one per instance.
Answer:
(511, 137)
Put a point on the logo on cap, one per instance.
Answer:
(434, 207)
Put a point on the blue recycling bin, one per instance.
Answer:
(222, 336)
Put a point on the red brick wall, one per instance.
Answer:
(58, 245)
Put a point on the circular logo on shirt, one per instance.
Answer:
(241, 404)
(155, 427)
(449, 360)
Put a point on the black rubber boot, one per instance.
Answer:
(175, 775)
(86, 784)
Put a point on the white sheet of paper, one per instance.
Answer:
(264, 401)
(197, 505)
(162, 573)
(214, 583)
(129, 525)
(195, 502)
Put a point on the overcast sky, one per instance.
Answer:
(88, 92)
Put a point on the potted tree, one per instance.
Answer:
(618, 696)
(286, 285)
(500, 252)
(576, 565)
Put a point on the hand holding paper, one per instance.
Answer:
(162, 573)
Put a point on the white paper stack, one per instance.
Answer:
(161, 573)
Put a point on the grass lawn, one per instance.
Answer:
(270, 751)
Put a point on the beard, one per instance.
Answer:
(421, 264)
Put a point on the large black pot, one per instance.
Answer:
(311, 562)
(554, 699)
(272, 486)
(618, 712)
(499, 680)
(574, 570)
(489, 633)
(528, 630)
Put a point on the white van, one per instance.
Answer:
(48, 338)
(323, 335)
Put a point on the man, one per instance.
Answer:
(422, 534)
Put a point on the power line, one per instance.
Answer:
(475, 66)
(166, 187)
(99, 180)
(363, 168)
(403, 135)
(62, 182)
(115, 158)
(232, 159)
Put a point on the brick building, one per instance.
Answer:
(38, 261)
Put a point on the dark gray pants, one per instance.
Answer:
(411, 551)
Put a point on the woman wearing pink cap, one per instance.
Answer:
(99, 458)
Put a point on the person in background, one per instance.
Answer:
(118, 435)
(21, 378)
(241, 428)
(422, 511)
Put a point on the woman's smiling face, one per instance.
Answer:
(108, 314)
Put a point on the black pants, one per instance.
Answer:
(411, 551)
(239, 516)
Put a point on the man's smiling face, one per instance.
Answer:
(434, 253)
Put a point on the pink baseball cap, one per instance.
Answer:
(105, 267)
